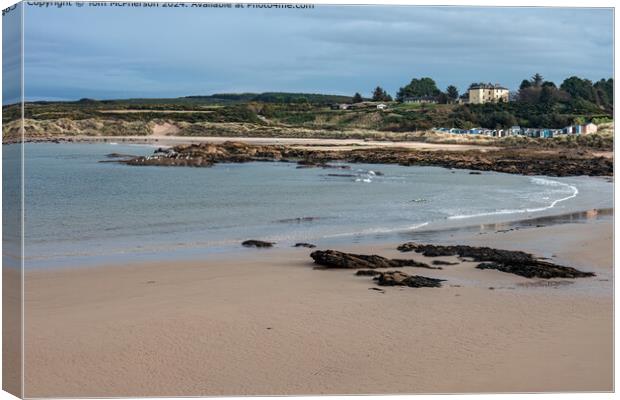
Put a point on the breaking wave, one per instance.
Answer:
(536, 181)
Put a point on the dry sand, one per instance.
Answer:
(264, 322)
(164, 136)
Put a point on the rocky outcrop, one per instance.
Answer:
(120, 155)
(527, 161)
(338, 259)
(257, 243)
(367, 272)
(536, 269)
(442, 262)
(398, 278)
(303, 244)
(514, 262)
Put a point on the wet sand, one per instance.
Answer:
(264, 322)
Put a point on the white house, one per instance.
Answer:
(381, 106)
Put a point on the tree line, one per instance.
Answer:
(532, 91)
(537, 103)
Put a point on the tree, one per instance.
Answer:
(525, 84)
(380, 95)
(578, 88)
(604, 90)
(442, 98)
(357, 98)
(548, 84)
(452, 92)
(418, 88)
(547, 95)
(537, 79)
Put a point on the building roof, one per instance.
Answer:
(487, 86)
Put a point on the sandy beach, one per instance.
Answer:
(325, 144)
(265, 322)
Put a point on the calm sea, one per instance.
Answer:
(81, 211)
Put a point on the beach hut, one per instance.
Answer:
(590, 128)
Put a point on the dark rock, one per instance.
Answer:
(442, 262)
(475, 173)
(514, 262)
(398, 278)
(338, 259)
(526, 161)
(308, 245)
(257, 243)
(120, 155)
(367, 272)
(343, 175)
(298, 219)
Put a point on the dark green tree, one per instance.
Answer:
(379, 94)
(578, 88)
(537, 79)
(525, 84)
(547, 94)
(452, 92)
(604, 90)
(442, 98)
(418, 88)
(357, 98)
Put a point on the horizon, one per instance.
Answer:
(150, 53)
(214, 94)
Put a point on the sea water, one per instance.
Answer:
(80, 210)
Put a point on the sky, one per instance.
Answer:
(127, 52)
(11, 55)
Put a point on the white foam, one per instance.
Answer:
(536, 181)
(371, 231)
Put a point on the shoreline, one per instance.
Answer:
(441, 231)
(205, 152)
(324, 143)
(288, 328)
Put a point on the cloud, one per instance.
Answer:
(111, 52)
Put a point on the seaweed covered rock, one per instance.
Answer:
(527, 161)
(398, 278)
(338, 259)
(537, 269)
(257, 243)
(442, 262)
(510, 261)
(303, 244)
(367, 272)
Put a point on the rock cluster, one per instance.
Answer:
(257, 243)
(303, 244)
(367, 272)
(338, 259)
(514, 262)
(442, 262)
(398, 278)
(515, 161)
